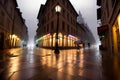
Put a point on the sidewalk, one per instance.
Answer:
(7, 52)
(110, 64)
(4, 56)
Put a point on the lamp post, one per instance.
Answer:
(58, 10)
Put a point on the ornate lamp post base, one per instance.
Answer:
(56, 51)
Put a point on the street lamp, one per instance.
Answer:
(58, 10)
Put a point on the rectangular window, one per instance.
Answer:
(52, 25)
(53, 12)
(44, 20)
(48, 16)
(63, 25)
(68, 16)
(44, 29)
(68, 29)
(63, 1)
(107, 6)
(8, 24)
(47, 27)
(63, 13)
(71, 20)
(67, 5)
(71, 30)
(2, 16)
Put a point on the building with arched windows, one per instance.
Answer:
(46, 32)
(68, 31)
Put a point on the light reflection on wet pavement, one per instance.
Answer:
(43, 64)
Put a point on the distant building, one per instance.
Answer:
(20, 29)
(85, 34)
(109, 31)
(80, 19)
(12, 31)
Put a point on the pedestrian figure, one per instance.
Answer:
(88, 44)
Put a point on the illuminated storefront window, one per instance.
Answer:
(15, 41)
(63, 40)
(50, 41)
(119, 22)
(68, 41)
(60, 39)
(54, 39)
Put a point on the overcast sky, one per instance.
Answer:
(30, 8)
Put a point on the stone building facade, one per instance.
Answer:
(69, 32)
(12, 32)
(46, 32)
(109, 31)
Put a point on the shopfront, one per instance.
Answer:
(48, 40)
(1, 40)
(103, 36)
(15, 41)
(116, 34)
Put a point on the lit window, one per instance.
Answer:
(119, 20)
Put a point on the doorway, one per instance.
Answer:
(1, 41)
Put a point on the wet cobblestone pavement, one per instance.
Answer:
(43, 64)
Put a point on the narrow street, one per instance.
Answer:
(43, 64)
